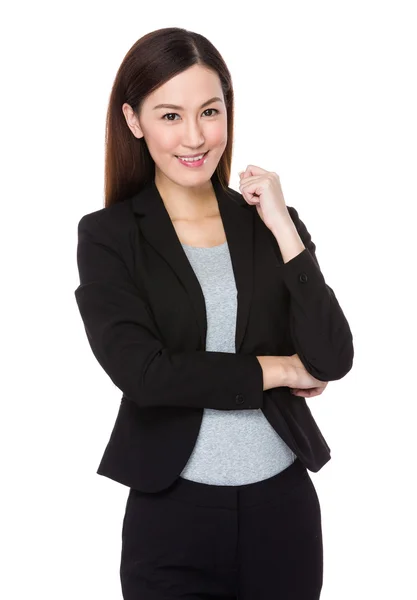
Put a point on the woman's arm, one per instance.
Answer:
(319, 329)
(287, 371)
(126, 342)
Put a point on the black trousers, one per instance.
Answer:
(194, 541)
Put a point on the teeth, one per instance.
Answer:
(192, 159)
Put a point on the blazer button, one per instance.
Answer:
(240, 399)
(303, 277)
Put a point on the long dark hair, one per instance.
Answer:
(150, 62)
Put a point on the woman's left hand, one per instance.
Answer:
(263, 189)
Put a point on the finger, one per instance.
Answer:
(245, 178)
(250, 183)
(316, 391)
(255, 170)
(243, 175)
(251, 192)
(305, 393)
(250, 199)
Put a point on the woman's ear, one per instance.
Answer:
(132, 120)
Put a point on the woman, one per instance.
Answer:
(208, 310)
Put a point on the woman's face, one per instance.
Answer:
(192, 126)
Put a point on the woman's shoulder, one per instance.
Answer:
(116, 212)
(114, 218)
(115, 223)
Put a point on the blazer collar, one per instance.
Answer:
(238, 222)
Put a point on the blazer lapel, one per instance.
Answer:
(238, 222)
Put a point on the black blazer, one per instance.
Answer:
(144, 315)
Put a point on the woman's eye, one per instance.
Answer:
(211, 109)
(170, 114)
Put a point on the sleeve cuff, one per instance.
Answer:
(301, 274)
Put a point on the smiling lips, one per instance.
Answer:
(199, 155)
(193, 162)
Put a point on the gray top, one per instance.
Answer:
(234, 447)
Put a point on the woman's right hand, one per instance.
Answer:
(297, 376)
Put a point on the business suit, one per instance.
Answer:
(144, 315)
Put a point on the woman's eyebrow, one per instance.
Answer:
(214, 99)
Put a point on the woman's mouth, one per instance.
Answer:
(193, 162)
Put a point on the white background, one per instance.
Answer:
(326, 97)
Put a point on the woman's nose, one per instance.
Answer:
(193, 135)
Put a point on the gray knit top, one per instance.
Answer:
(234, 447)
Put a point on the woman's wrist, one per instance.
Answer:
(283, 371)
(275, 371)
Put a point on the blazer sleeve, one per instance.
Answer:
(319, 329)
(124, 338)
